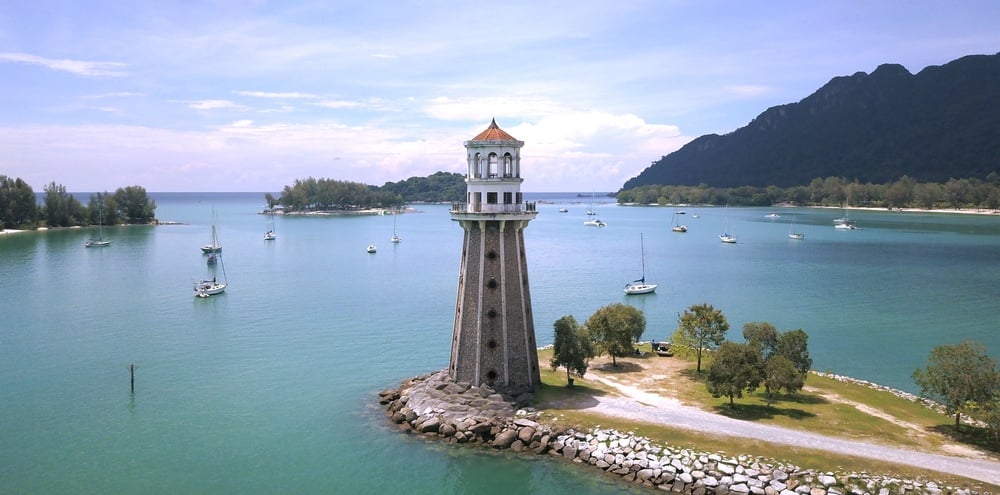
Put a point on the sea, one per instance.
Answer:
(272, 386)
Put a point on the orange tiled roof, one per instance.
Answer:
(494, 133)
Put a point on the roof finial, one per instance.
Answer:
(493, 124)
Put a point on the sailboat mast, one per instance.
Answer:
(642, 256)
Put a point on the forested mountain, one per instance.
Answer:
(941, 123)
(439, 186)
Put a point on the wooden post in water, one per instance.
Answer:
(131, 372)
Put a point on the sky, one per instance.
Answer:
(250, 95)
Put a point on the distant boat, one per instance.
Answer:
(206, 287)
(726, 237)
(395, 238)
(213, 246)
(792, 234)
(844, 222)
(772, 215)
(271, 234)
(677, 226)
(99, 242)
(563, 210)
(595, 223)
(640, 286)
(371, 248)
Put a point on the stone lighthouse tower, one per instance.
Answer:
(494, 336)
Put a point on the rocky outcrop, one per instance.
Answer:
(438, 408)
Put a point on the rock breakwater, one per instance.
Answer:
(438, 408)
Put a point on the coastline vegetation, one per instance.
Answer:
(313, 194)
(831, 191)
(19, 208)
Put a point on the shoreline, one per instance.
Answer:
(977, 211)
(435, 408)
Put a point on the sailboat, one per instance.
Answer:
(271, 234)
(395, 238)
(206, 288)
(640, 286)
(792, 234)
(99, 242)
(677, 225)
(726, 237)
(844, 222)
(214, 246)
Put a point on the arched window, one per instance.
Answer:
(479, 166)
(508, 165)
(492, 167)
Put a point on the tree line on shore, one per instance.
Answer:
(20, 209)
(330, 194)
(774, 364)
(832, 191)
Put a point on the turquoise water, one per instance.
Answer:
(272, 386)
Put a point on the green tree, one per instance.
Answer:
(794, 346)
(784, 357)
(271, 200)
(614, 328)
(701, 327)
(61, 208)
(18, 206)
(134, 205)
(959, 376)
(102, 208)
(762, 336)
(571, 348)
(780, 375)
(735, 368)
(988, 413)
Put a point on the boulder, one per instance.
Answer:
(504, 439)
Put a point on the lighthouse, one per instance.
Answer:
(493, 342)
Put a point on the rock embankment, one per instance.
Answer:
(436, 407)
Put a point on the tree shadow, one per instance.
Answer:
(621, 367)
(809, 399)
(693, 375)
(973, 436)
(757, 412)
(579, 396)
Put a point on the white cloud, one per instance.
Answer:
(574, 151)
(337, 104)
(78, 67)
(214, 105)
(285, 95)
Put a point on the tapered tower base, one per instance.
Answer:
(494, 337)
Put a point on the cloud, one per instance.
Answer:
(337, 104)
(285, 96)
(213, 105)
(78, 67)
(564, 151)
(120, 94)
